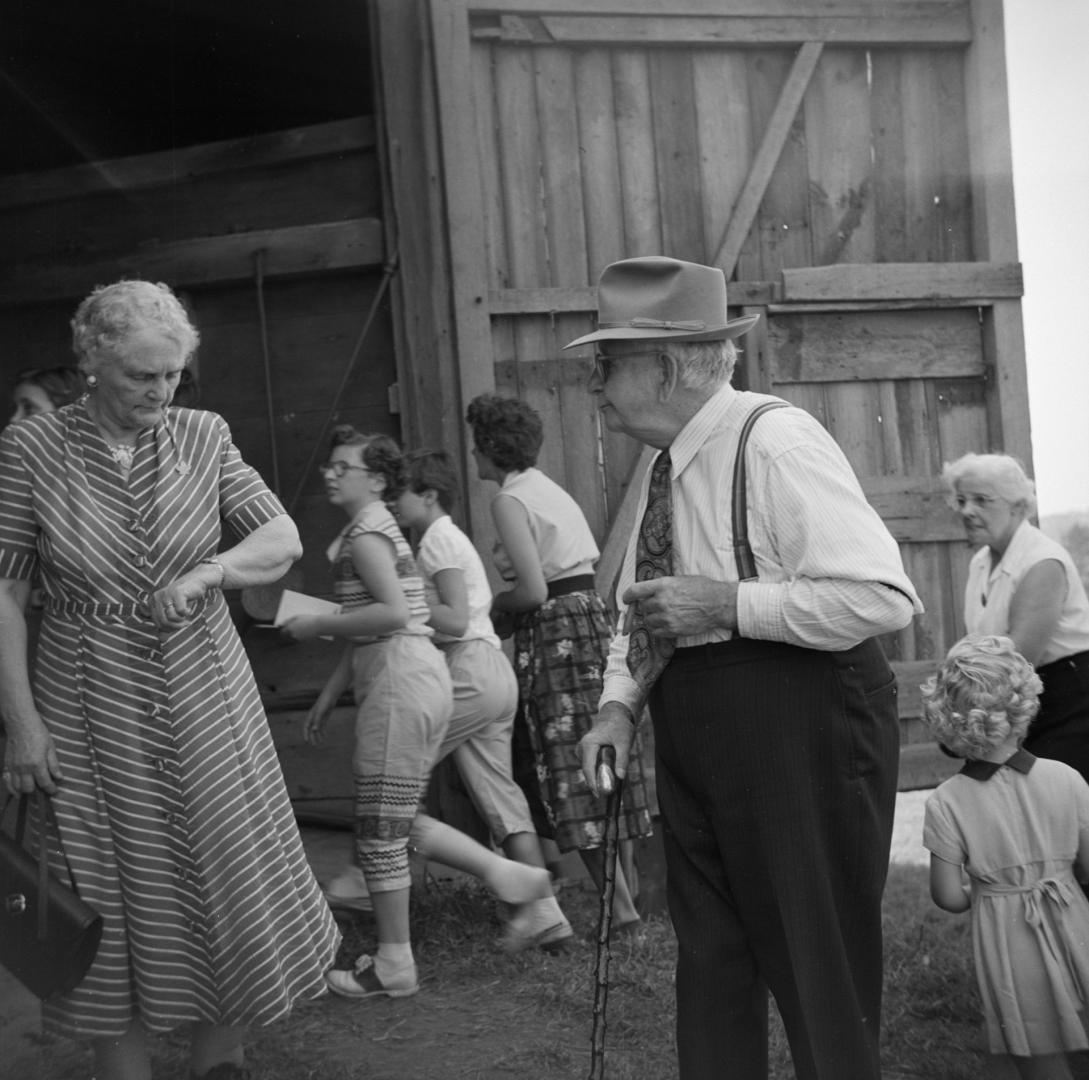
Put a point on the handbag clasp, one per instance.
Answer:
(15, 903)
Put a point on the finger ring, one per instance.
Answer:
(168, 604)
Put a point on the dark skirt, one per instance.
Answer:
(559, 657)
(1060, 730)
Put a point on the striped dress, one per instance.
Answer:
(172, 810)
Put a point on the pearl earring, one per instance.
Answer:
(92, 381)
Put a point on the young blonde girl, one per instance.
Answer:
(1018, 826)
(404, 695)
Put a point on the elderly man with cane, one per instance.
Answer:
(774, 708)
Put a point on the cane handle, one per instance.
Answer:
(606, 765)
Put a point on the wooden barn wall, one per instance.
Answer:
(842, 162)
(275, 244)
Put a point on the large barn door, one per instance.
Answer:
(846, 163)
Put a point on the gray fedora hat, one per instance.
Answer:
(656, 298)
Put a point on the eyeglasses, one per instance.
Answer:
(339, 468)
(603, 363)
(980, 502)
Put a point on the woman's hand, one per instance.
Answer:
(30, 759)
(176, 604)
(316, 719)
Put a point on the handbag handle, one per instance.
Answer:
(746, 563)
(43, 807)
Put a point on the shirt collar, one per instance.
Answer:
(697, 431)
(1021, 760)
(1021, 537)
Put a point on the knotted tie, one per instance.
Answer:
(648, 656)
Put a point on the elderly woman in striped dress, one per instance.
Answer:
(143, 722)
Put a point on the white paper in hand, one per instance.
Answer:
(297, 603)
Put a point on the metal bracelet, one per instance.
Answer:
(214, 561)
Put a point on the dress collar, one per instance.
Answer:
(1021, 760)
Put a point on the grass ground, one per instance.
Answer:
(481, 1015)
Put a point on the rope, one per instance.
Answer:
(259, 276)
(387, 275)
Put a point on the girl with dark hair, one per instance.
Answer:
(44, 390)
(546, 552)
(404, 697)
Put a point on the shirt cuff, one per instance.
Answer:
(623, 689)
(760, 610)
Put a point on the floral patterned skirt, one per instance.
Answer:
(559, 657)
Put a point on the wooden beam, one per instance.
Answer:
(876, 345)
(994, 225)
(950, 27)
(913, 508)
(763, 165)
(416, 227)
(297, 250)
(891, 9)
(179, 166)
(903, 281)
(462, 189)
(563, 300)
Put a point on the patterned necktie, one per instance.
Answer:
(648, 656)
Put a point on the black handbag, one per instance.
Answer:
(49, 944)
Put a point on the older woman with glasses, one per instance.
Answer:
(1024, 585)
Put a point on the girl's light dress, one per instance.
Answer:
(1016, 828)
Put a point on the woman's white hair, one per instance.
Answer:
(1004, 473)
(107, 318)
(703, 365)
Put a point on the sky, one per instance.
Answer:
(1047, 62)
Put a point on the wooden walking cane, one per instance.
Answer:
(611, 785)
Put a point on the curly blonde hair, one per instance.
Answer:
(984, 693)
(104, 321)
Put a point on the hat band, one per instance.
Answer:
(640, 323)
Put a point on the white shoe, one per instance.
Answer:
(539, 924)
(348, 890)
(363, 981)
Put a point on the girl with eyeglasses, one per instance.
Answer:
(1024, 585)
(404, 697)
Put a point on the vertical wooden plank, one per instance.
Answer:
(497, 270)
(962, 423)
(994, 228)
(520, 166)
(635, 143)
(677, 146)
(777, 128)
(754, 362)
(837, 141)
(641, 217)
(582, 441)
(416, 226)
(808, 396)
(889, 166)
(854, 423)
(954, 206)
(783, 221)
(935, 156)
(568, 261)
(601, 186)
(468, 284)
(561, 166)
(521, 152)
(487, 146)
(723, 132)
